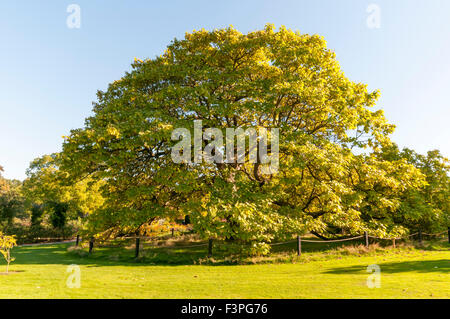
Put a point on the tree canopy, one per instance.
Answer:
(11, 201)
(47, 188)
(426, 208)
(264, 79)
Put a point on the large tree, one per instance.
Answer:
(264, 79)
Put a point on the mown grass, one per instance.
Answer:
(323, 271)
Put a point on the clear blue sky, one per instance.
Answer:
(49, 74)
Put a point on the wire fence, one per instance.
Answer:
(299, 241)
(394, 238)
(438, 234)
(419, 235)
(332, 241)
(59, 241)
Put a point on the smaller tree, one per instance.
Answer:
(58, 198)
(58, 217)
(11, 204)
(3, 184)
(425, 208)
(36, 214)
(6, 244)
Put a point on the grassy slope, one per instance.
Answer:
(405, 273)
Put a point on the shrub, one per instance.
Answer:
(36, 214)
(59, 216)
(6, 244)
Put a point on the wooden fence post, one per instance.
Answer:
(78, 240)
(299, 246)
(393, 242)
(91, 245)
(138, 242)
(420, 236)
(173, 230)
(366, 236)
(210, 243)
(449, 235)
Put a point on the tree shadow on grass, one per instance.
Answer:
(59, 255)
(54, 255)
(120, 256)
(426, 266)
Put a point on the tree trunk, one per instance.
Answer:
(7, 262)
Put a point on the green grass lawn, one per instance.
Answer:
(406, 272)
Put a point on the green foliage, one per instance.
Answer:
(11, 201)
(36, 214)
(426, 208)
(267, 78)
(53, 195)
(59, 214)
(3, 184)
